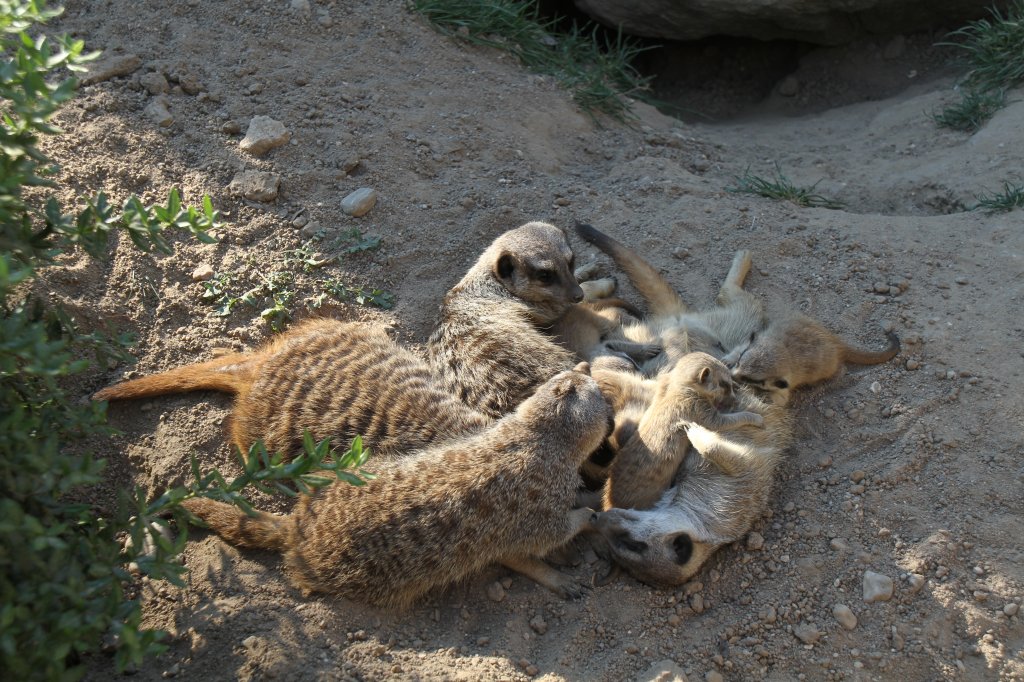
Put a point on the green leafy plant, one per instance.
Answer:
(597, 70)
(992, 53)
(337, 290)
(64, 566)
(780, 187)
(1010, 198)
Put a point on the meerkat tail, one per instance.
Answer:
(659, 294)
(263, 531)
(871, 357)
(228, 373)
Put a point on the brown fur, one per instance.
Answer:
(651, 418)
(443, 514)
(337, 379)
(492, 345)
(794, 350)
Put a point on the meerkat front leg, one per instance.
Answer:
(598, 288)
(732, 420)
(564, 586)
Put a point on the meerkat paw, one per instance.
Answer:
(587, 271)
(535, 569)
(599, 288)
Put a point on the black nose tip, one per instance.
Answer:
(577, 296)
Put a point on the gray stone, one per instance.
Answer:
(309, 230)
(155, 83)
(264, 134)
(255, 185)
(538, 625)
(825, 22)
(111, 67)
(360, 202)
(663, 671)
(877, 587)
(755, 541)
(495, 592)
(789, 86)
(158, 112)
(1011, 609)
(808, 634)
(845, 616)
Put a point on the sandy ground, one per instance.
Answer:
(910, 469)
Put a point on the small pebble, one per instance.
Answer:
(310, 229)
(913, 364)
(713, 676)
(857, 476)
(755, 541)
(916, 582)
(154, 83)
(877, 587)
(231, 128)
(538, 625)
(172, 671)
(876, 387)
(110, 67)
(808, 634)
(299, 221)
(838, 545)
(881, 288)
(495, 592)
(680, 253)
(158, 112)
(263, 134)
(1011, 609)
(202, 273)
(255, 185)
(844, 616)
(663, 671)
(360, 202)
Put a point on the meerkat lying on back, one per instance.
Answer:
(773, 353)
(719, 491)
(336, 379)
(651, 419)
(501, 495)
(492, 345)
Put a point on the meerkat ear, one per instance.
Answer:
(781, 383)
(702, 376)
(582, 368)
(505, 266)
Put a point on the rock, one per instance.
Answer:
(713, 676)
(913, 364)
(172, 671)
(301, 6)
(916, 582)
(789, 86)
(697, 603)
(808, 634)
(1011, 609)
(877, 587)
(264, 134)
(755, 541)
(538, 625)
(845, 616)
(155, 83)
(360, 202)
(881, 288)
(664, 671)
(158, 112)
(231, 128)
(829, 22)
(250, 642)
(309, 230)
(202, 273)
(858, 475)
(255, 185)
(495, 592)
(111, 67)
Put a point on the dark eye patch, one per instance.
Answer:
(630, 545)
(781, 383)
(545, 276)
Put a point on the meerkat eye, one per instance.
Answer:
(572, 264)
(546, 276)
(781, 383)
(630, 545)
(752, 335)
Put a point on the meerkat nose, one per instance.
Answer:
(577, 295)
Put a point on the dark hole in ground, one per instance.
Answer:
(726, 78)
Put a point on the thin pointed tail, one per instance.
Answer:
(873, 357)
(263, 531)
(661, 297)
(230, 373)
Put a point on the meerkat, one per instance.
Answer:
(501, 495)
(651, 419)
(719, 491)
(772, 353)
(492, 346)
(794, 350)
(336, 379)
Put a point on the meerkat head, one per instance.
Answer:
(535, 263)
(762, 362)
(573, 405)
(660, 546)
(708, 376)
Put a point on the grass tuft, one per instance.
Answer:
(1010, 198)
(993, 50)
(780, 187)
(596, 69)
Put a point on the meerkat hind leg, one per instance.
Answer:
(598, 288)
(556, 581)
(733, 284)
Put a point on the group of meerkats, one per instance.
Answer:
(676, 419)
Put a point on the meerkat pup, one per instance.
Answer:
(492, 346)
(719, 491)
(794, 350)
(651, 420)
(336, 379)
(502, 495)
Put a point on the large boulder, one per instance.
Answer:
(826, 22)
